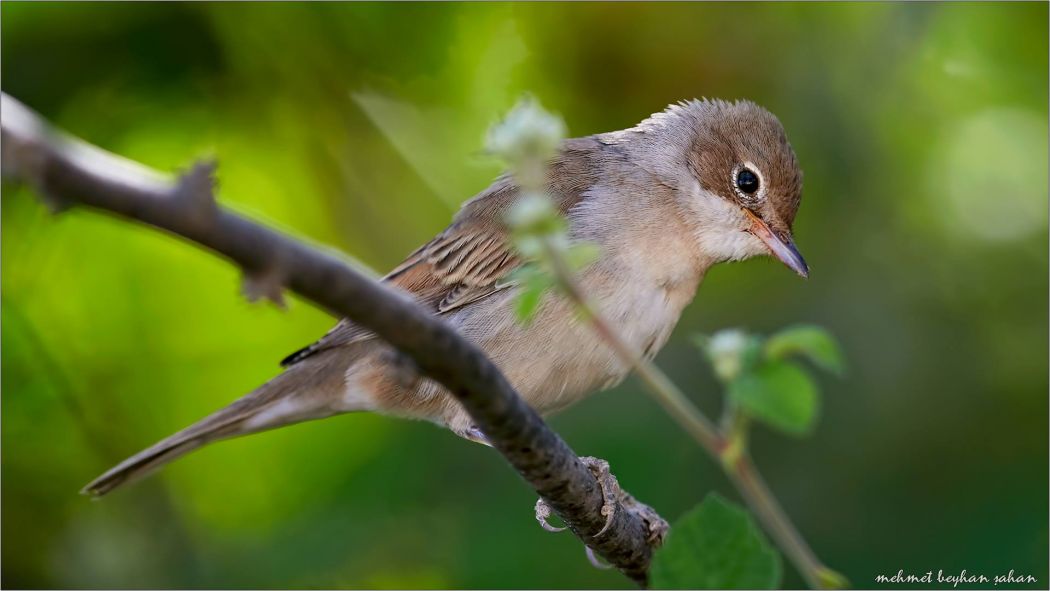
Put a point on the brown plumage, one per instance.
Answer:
(699, 183)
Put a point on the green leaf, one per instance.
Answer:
(715, 546)
(523, 274)
(528, 245)
(779, 394)
(809, 341)
(534, 283)
(581, 254)
(526, 304)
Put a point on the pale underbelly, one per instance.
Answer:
(558, 359)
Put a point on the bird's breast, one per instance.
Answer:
(646, 310)
(557, 358)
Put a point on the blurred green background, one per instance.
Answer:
(922, 130)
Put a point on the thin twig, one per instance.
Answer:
(66, 171)
(753, 488)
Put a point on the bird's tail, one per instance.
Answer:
(304, 391)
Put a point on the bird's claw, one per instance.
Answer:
(543, 513)
(656, 526)
(611, 491)
(612, 495)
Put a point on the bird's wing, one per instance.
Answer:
(461, 265)
(465, 263)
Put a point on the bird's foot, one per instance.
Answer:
(656, 527)
(612, 494)
(611, 491)
(543, 513)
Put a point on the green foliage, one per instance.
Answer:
(809, 341)
(534, 278)
(761, 379)
(779, 394)
(581, 254)
(717, 545)
(525, 139)
(532, 282)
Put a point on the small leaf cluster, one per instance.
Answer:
(764, 379)
(526, 140)
(540, 235)
(716, 545)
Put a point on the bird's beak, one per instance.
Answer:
(782, 248)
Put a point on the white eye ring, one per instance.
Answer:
(756, 196)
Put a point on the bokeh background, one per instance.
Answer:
(922, 130)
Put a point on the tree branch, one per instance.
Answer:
(67, 171)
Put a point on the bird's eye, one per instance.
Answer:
(747, 181)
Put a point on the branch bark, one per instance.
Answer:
(66, 171)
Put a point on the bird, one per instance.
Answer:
(699, 183)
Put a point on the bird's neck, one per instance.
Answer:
(641, 235)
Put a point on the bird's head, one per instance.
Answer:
(749, 182)
(738, 181)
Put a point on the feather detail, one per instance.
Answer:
(468, 261)
(458, 267)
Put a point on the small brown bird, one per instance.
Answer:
(700, 183)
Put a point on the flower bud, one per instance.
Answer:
(726, 349)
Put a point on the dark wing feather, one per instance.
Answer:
(460, 266)
(343, 333)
